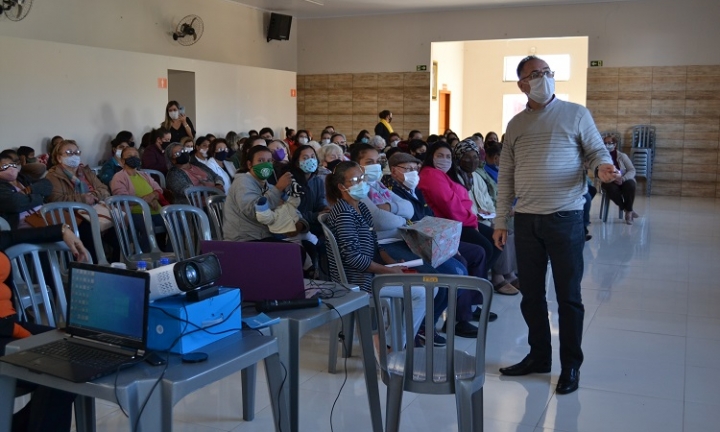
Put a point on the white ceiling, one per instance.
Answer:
(338, 8)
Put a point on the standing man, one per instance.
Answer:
(383, 127)
(542, 163)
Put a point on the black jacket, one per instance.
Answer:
(12, 202)
(420, 207)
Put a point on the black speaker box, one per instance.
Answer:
(279, 28)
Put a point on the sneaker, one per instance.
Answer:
(466, 330)
(438, 340)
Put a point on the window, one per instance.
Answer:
(560, 63)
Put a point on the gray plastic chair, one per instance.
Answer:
(127, 233)
(198, 195)
(435, 370)
(156, 175)
(54, 214)
(4, 225)
(186, 226)
(216, 206)
(32, 285)
(605, 205)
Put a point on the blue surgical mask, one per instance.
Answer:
(365, 140)
(373, 172)
(359, 191)
(309, 166)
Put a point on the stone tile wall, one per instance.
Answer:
(683, 103)
(351, 102)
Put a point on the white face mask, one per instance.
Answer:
(611, 147)
(326, 141)
(204, 152)
(443, 164)
(71, 161)
(412, 178)
(394, 143)
(373, 172)
(303, 140)
(542, 89)
(118, 154)
(174, 115)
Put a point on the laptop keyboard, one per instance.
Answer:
(81, 355)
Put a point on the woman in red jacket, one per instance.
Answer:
(448, 199)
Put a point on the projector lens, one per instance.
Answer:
(191, 274)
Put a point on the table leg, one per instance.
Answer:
(7, 402)
(275, 375)
(156, 416)
(288, 335)
(249, 378)
(368, 355)
(349, 329)
(85, 414)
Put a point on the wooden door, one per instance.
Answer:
(443, 111)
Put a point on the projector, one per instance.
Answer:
(194, 276)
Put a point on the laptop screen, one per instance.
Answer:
(108, 304)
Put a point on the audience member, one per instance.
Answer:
(378, 142)
(145, 142)
(153, 157)
(290, 138)
(393, 140)
(219, 164)
(130, 181)
(491, 137)
(233, 143)
(176, 123)
(54, 142)
(340, 140)
(184, 174)
(29, 164)
(383, 128)
(312, 187)
(199, 151)
(239, 159)
(363, 137)
(329, 153)
(418, 148)
(622, 190)
(330, 130)
(112, 166)
(415, 135)
(266, 133)
(20, 195)
(492, 159)
(325, 138)
(490, 183)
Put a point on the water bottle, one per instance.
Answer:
(141, 266)
(164, 261)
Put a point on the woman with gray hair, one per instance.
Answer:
(184, 174)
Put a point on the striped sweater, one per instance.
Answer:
(356, 240)
(542, 160)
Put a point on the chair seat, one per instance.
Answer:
(464, 364)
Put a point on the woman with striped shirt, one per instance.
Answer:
(351, 223)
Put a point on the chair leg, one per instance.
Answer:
(606, 208)
(393, 403)
(477, 411)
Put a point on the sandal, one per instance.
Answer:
(506, 289)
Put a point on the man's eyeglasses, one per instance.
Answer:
(539, 74)
(73, 152)
(407, 169)
(4, 167)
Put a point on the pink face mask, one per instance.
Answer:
(9, 174)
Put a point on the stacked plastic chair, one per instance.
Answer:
(642, 153)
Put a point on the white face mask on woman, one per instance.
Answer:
(174, 115)
(71, 161)
(443, 164)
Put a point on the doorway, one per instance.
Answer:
(181, 88)
(443, 111)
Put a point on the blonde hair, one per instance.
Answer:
(185, 139)
(63, 143)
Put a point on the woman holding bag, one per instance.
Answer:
(73, 181)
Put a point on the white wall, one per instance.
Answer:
(632, 33)
(234, 33)
(89, 94)
(181, 88)
(483, 77)
(450, 57)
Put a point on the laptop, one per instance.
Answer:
(262, 271)
(106, 326)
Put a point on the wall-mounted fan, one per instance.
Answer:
(189, 30)
(15, 10)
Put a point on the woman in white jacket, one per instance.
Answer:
(621, 191)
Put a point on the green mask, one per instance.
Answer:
(31, 160)
(264, 170)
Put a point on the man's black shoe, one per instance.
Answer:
(569, 381)
(476, 315)
(527, 366)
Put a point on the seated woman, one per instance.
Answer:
(113, 166)
(329, 153)
(622, 191)
(450, 200)
(352, 224)
(76, 182)
(153, 157)
(240, 159)
(467, 157)
(305, 172)
(281, 157)
(218, 163)
(184, 174)
(418, 148)
(19, 195)
(130, 181)
(49, 409)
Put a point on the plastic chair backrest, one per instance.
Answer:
(433, 379)
(96, 169)
(32, 284)
(4, 225)
(120, 210)
(198, 195)
(58, 212)
(334, 249)
(156, 175)
(186, 226)
(216, 206)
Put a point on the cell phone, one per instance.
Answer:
(155, 359)
(182, 110)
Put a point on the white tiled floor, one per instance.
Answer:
(652, 344)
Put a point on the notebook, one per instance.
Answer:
(106, 326)
(262, 271)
